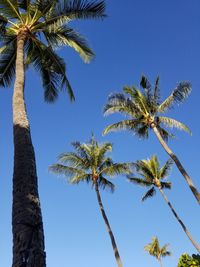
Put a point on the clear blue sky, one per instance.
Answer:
(139, 36)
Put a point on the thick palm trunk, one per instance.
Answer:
(28, 237)
(114, 245)
(178, 164)
(180, 221)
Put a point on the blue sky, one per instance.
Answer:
(152, 37)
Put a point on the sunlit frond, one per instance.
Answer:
(172, 123)
(164, 171)
(117, 169)
(177, 96)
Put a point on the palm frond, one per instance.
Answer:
(74, 160)
(67, 36)
(105, 184)
(146, 85)
(139, 181)
(164, 133)
(164, 171)
(9, 9)
(3, 22)
(67, 10)
(52, 69)
(117, 169)
(66, 170)
(166, 185)
(150, 193)
(180, 93)
(156, 91)
(172, 123)
(130, 125)
(7, 66)
(80, 177)
(118, 102)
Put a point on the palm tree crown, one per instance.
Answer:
(44, 25)
(143, 107)
(155, 250)
(89, 163)
(152, 175)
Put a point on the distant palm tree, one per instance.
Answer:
(151, 176)
(30, 32)
(155, 250)
(89, 163)
(143, 109)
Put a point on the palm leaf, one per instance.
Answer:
(67, 36)
(3, 22)
(116, 169)
(66, 170)
(150, 193)
(7, 66)
(172, 123)
(105, 184)
(177, 96)
(140, 181)
(166, 185)
(9, 9)
(164, 171)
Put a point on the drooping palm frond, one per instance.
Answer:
(140, 181)
(164, 171)
(74, 160)
(106, 184)
(3, 22)
(7, 66)
(181, 92)
(68, 37)
(165, 185)
(164, 133)
(164, 252)
(143, 167)
(66, 170)
(150, 193)
(52, 69)
(172, 123)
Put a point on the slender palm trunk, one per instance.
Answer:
(28, 237)
(178, 164)
(161, 265)
(180, 221)
(114, 245)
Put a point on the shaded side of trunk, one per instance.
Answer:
(27, 226)
(178, 164)
(180, 221)
(114, 245)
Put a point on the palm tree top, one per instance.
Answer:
(151, 174)
(89, 162)
(155, 250)
(45, 26)
(143, 108)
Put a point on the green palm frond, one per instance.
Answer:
(7, 66)
(117, 169)
(74, 160)
(68, 10)
(155, 250)
(150, 193)
(68, 37)
(172, 123)
(156, 91)
(146, 85)
(144, 168)
(9, 9)
(166, 185)
(105, 184)
(140, 181)
(52, 69)
(164, 133)
(66, 170)
(80, 177)
(177, 96)
(3, 22)
(130, 125)
(24, 4)
(164, 171)
(118, 102)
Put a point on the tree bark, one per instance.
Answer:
(27, 226)
(178, 164)
(180, 221)
(114, 245)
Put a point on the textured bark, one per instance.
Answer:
(28, 237)
(180, 221)
(178, 164)
(114, 245)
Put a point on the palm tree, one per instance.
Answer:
(152, 175)
(143, 109)
(155, 250)
(89, 163)
(30, 31)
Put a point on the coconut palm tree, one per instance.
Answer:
(143, 109)
(152, 175)
(30, 31)
(89, 163)
(155, 250)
